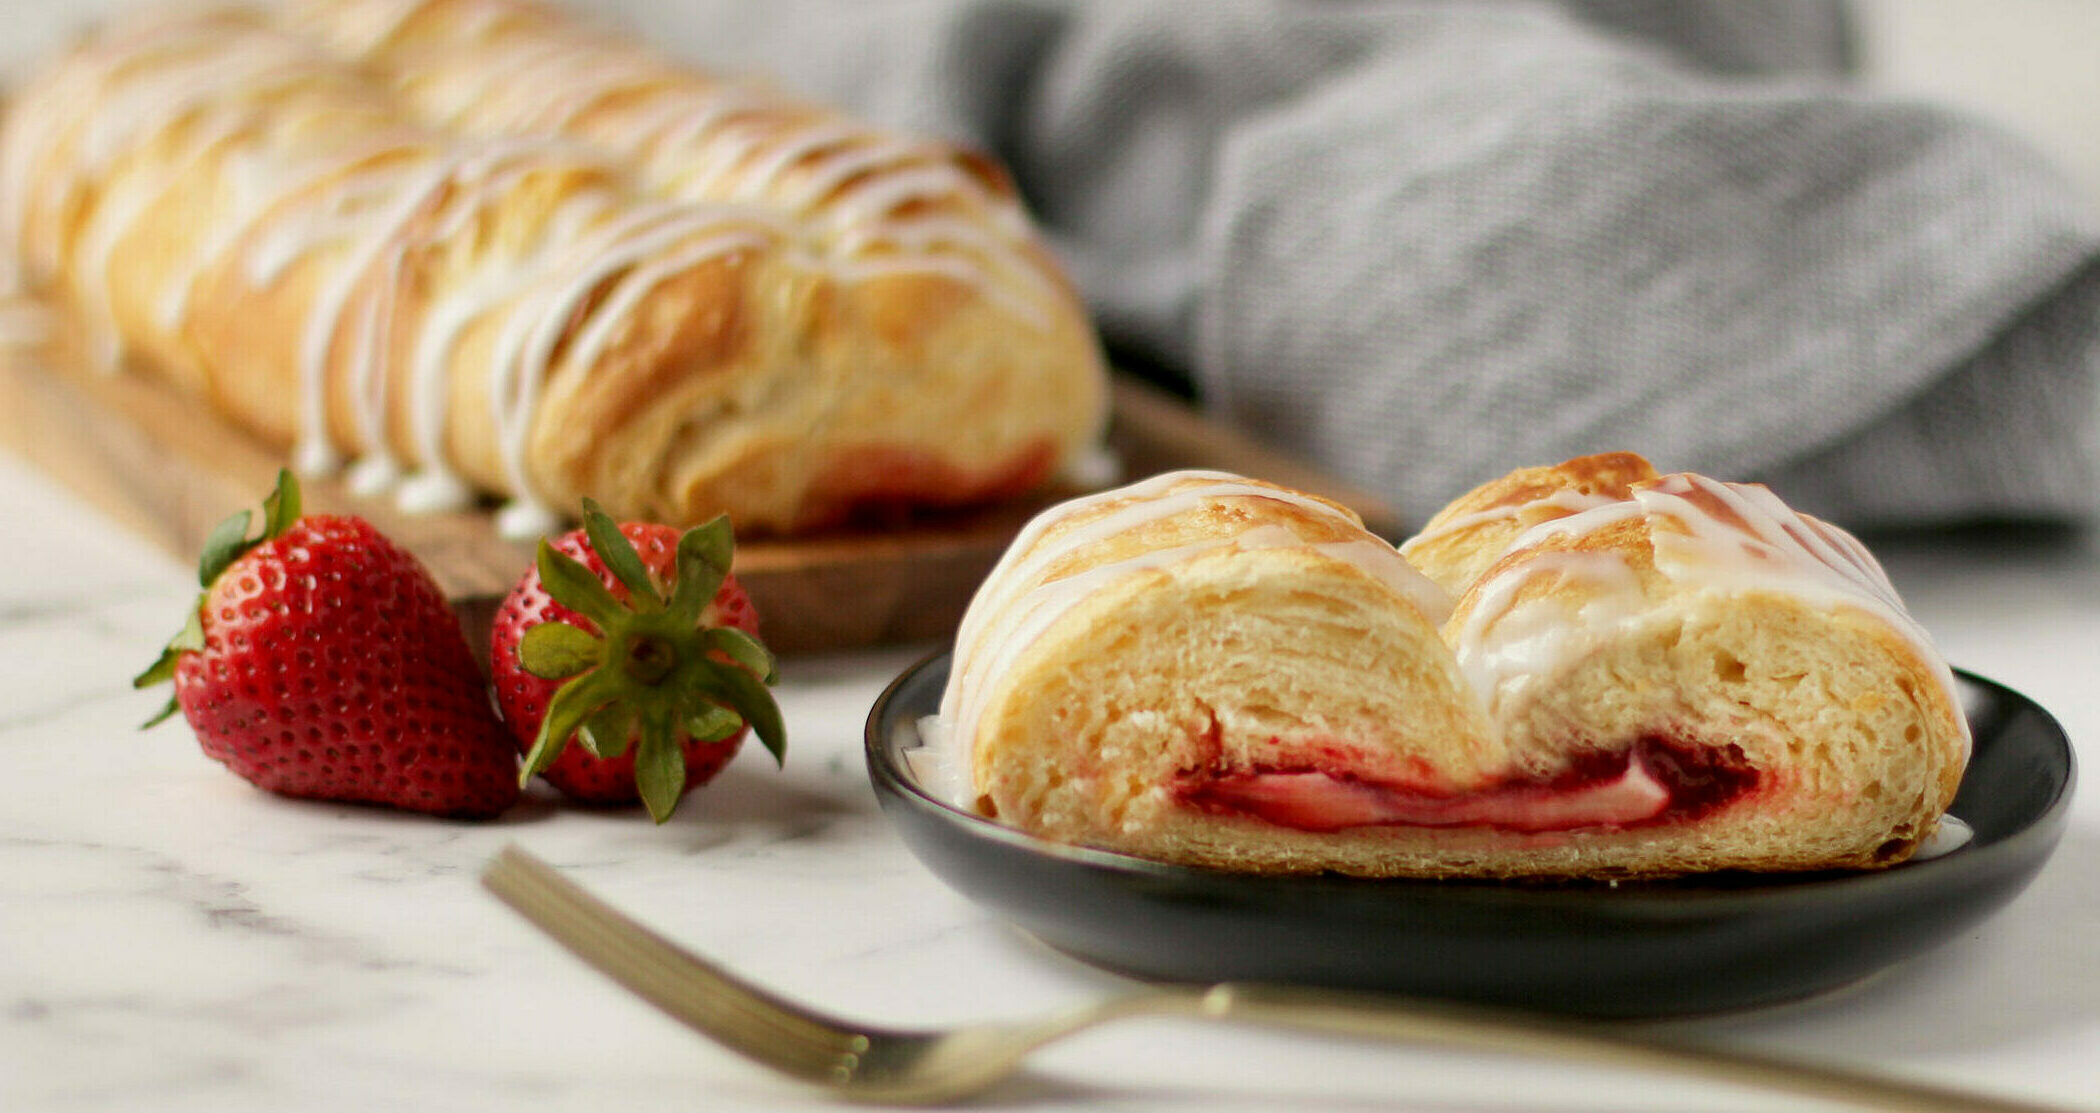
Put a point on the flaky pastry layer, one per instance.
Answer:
(1636, 675)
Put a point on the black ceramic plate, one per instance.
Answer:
(1631, 950)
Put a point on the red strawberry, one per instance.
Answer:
(322, 661)
(635, 642)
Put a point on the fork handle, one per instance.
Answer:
(1439, 1024)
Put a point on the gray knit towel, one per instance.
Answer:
(1422, 244)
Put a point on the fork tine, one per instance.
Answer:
(696, 992)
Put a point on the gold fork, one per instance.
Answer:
(863, 1062)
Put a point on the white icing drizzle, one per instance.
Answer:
(473, 177)
(1568, 500)
(738, 167)
(1731, 538)
(1768, 541)
(880, 204)
(1497, 646)
(525, 355)
(186, 77)
(1015, 605)
(363, 214)
(935, 762)
(1775, 549)
(359, 210)
(242, 172)
(1503, 643)
(1949, 835)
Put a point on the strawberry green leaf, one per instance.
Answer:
(746, 695)
(167, 710)
(744, 649)
(607, 733)
(572, 585)
(192, 633)
(554, 650)
(191, 637)
(224, 545)
(282, 506)
(704, 555)
(711, 722)
(162, 669)
(619, 556)
(572, 704)
(659, 765)
(645, 673)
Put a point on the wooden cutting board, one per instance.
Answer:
(165, 465)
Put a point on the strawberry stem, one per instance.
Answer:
(649, 659)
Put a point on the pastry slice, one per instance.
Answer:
(1753, 660)
(1210, 670)
(1205, 668)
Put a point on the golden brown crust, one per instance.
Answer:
(1459, 542)
(953, 340)
(290, 236)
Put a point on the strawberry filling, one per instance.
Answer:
(880, 484)
(1656, 780)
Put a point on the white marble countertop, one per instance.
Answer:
(172, 939)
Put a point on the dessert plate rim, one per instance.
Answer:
(1634, 949)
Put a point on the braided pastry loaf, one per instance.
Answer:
(677, 296)
(1600, 672)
